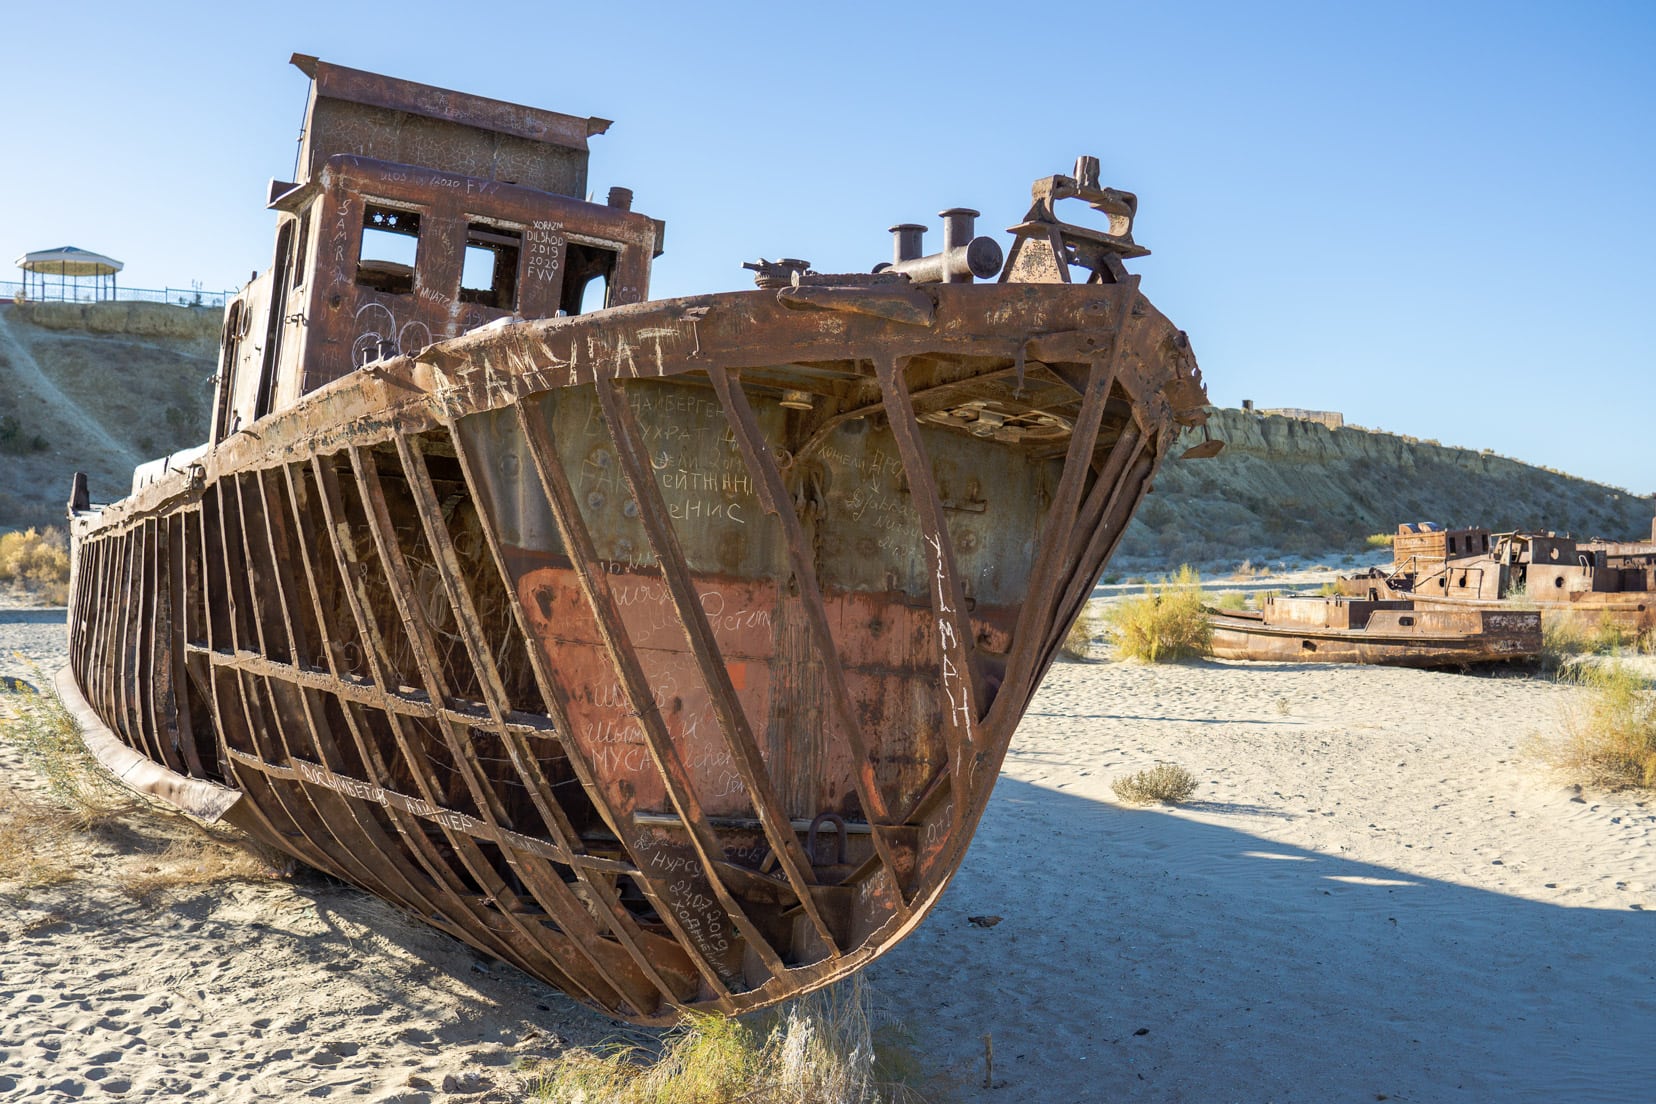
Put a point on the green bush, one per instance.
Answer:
(1378, 540)
(1167, 623)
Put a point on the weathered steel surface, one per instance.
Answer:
(1387, 632)
(668, 652)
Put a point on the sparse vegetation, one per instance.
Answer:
(1375, 541)
(1167, 783)
(1609, 733)
(1087, 628)
(50, 740)
(822, 1049)
(38, 561)
(49, 839)
(32, 852)
(1565, 639)
(16, 440)
(1164, 624)
(1231, 600)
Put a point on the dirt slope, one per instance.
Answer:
(1288, 487)
(96, 388)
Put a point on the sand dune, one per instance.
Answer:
(1373, 895)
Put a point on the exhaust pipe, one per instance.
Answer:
(962, 258)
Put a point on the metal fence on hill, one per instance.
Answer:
(177, 297)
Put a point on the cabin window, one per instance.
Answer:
(390, 242)
(299, 253)
(489, 275)
(588, 270)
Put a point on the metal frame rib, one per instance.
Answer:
(733, 723)
(774, 499)
(556, 895)
(675, 776)
(623, 925)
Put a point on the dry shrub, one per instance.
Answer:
(49, 738)
(1379, 540)
(40, 837)
(1565, 639)
(1609, 732)
(820, 1050)
(1168, 622)
(38, 561)
(1167, 783)
(34, 835)
(1078, 642)
(195, 862)
(1231, 600)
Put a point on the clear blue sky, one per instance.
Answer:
(1438, 218)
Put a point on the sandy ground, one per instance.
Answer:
(1374, 895)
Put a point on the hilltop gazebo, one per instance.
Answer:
(71, 266)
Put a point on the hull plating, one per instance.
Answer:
(580, 641)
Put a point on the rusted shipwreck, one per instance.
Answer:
(1582, 585)
(1387, 632)
(667, 650)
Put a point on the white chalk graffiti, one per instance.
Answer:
(377, 328)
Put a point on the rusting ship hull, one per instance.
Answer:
(1387, 633)
(589, 642)
(1630, 612)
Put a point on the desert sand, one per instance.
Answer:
(1374, 894)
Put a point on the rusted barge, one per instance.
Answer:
(1388, 632)
(667, 650)
(1584, 585)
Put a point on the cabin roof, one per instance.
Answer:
(337, 82)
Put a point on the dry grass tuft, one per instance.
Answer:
(1164, 624)
(1167, 783)
(50, 740)
(1565, 640)
(34, 838)
(1609, 733)
(197, 862)
(51, 839)
(820, 1050)
(38, 561)
(1079, 642)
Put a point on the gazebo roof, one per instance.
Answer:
(69, 261)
